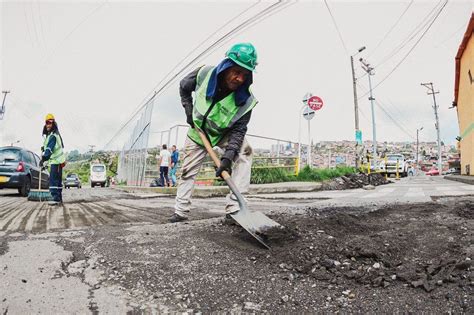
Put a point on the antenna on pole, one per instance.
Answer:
(431, 91)
(2, 109)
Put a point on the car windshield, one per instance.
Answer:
(72, 176)
(9, 155)
(98, 168)
(394, 157)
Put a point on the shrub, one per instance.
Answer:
(270, 175)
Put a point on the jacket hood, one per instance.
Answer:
(241, 94)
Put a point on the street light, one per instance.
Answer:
(356, 106)
(417, 142)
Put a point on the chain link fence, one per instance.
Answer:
(133, 157)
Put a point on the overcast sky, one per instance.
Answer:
(92, 63)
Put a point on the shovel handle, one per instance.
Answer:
(225, 175)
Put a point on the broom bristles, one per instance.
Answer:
(39, 195)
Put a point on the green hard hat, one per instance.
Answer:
(243, 54)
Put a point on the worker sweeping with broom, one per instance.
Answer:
(54, 155)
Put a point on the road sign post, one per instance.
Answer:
(308, 114)
(311, 105)
(315, 102)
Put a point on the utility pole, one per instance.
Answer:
(2, 109)
(367, 68)
(417, 143)
(91, 146)
(356, 107)
(430, 87)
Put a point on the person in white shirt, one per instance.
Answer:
(164, 162)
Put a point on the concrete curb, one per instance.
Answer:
(219, 191)
(461, 178)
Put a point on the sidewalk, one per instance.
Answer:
(218, 191)
(461, 178)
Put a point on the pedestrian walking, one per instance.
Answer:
(174, 164)
(52, 151)
(221, 108)
(164, 162)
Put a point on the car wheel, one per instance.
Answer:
(25, 189)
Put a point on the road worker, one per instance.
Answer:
(221, 107)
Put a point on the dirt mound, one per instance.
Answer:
(378, 248)
(464, 209)
(402, 258)
(352, 181)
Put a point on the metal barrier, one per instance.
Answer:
(133, 157)
(137, 164)
(206, 175)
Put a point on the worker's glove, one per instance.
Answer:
(41, 163)
(42, 148)
(226, 165)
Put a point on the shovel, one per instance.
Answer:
(254, 222)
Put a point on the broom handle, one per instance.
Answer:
(39, 185)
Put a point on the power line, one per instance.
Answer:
(393, 120)
(391, 29)
(451, 36)
(337, 28)
(75, 28)
(34, 25)
(387, 113)
(265, 13)
(28, 25)
(43, 39)
(412, 35)
(400, 115)
(412, 48)
(184, 58)
(206, 39)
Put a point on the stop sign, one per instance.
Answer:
(315, 102)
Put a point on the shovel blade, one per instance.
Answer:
(255, 223)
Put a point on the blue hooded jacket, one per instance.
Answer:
(241, 94)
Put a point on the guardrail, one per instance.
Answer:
(206, 175)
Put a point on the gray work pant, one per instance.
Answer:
(194, 156)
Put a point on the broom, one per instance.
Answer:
(40, 194)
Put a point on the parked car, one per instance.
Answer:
(432, 172)
(452, 171)
(98, 175)
(19, 168)
(72, 180)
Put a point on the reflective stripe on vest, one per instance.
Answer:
(57, 156)
(223, 114)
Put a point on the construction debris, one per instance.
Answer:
(352, 181)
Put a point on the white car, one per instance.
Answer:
(98, 175)
(390, 167)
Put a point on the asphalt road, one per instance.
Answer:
(112, 252)
(104, 206)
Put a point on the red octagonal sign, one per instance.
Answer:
(315, 102)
